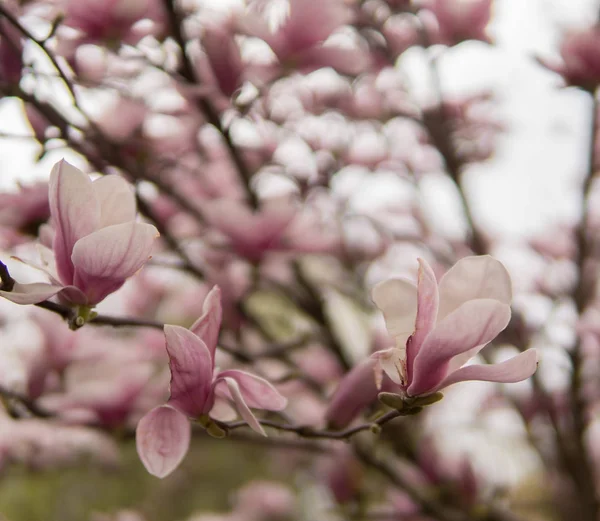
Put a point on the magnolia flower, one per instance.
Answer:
(197, 390)
(460, 20)
(580, 52)
(298, 40)
(437, 328)
(112, 20)
(97, 243)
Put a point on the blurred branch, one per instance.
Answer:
(583, 293)
(309, 432)
(42, 45)
(188, 72)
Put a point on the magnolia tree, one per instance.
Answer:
(235, 251)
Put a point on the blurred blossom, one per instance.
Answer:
(265, 501)
(298, 41)
(112, 21)
(43, 444)
(22, 213)
(459, 20)
(580, 52)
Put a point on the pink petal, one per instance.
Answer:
(513, 370)
(117, 251)
(474, 278)
(392, 363)
(191, 368)
(222, 410)
(473, 324)
(75, 211)
(208, 325)
(427, 308)
(397, 299)
(242, 407)
(343, 60)
(116, 200)
(162, 439)
(31, 293)
(257, 392)
(310, 23)
(355, 392)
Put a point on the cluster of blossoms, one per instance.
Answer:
(265, 167)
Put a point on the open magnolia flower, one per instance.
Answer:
(198, 390)
(437, 328)
(97, 243)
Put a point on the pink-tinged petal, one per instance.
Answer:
(427, 309)
(397, 299)
(392, 363)
(257, 392)
(162, 439)
(515, 369)
(115, 252)
(474, 278)
(191, 368)
(473, 324)
(355, 392)
(242, 407)
(75, 211)
(222, 410)
(116, 200)
(208, 325)
(310, 23)
(31, 293)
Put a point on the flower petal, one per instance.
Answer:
(242, 407)
(355, 391)
(75, 211)
(257, 392)
(397, 299)
(427, 309)
(31, 293)
(191, 368)
(513, 370)
(474, 278)
(116, 200)
(473, 324)
(162, 439)
(114, 252)
(208, 325)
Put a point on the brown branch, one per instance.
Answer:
(309, 432)
(188, 72)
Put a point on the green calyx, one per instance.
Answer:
(408, 405)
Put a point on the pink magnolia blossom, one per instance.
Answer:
(437, 328)
(298, 41)
(198, 390)
(222, 65)
(97, 243)
(111, 21)
(580, 52)
(460, 20)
